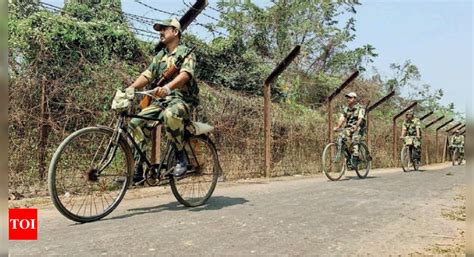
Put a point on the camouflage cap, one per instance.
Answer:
(351, 94)
(410, 112)
(167, 23)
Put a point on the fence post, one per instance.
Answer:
(426, 115)
(427, 145)
(373, 106)
(436, 141)
(394, 131)
(267, 105)
(426, 141)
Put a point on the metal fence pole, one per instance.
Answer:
(372, 107)
(267, 106)
(436, 141)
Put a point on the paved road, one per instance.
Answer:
(390, 212)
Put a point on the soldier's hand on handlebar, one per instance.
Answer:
(160, 92)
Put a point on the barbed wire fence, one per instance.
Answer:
(297, 136)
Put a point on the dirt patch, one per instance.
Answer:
(452, 246)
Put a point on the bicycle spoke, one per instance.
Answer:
(196, 186)
(79, 193)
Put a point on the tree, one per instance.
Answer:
(272, 32)
(403, 75)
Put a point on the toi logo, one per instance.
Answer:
(23, 224)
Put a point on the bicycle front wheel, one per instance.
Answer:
(197, 185)
(365, 161)
(334, 162)
(415, 162)
(405, 158)
(455, 157)
(89, 174)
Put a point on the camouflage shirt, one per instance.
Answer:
(163, 60)
(457, 140)
(353, 114)
(411, 126)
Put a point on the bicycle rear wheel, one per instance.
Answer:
(334, 162)
(197, 185)
(405, 158)
(365, 161)
(76, 188)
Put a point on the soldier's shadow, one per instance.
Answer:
(214, 203)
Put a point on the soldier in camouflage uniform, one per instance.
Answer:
(180, 94)
(353, 116)
(457, 140)
(412, 127)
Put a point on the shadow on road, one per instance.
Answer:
(214, 203)
(347, 178)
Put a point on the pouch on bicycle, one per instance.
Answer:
(122, 100)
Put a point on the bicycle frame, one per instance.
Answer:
(121, 129)
(342, 147)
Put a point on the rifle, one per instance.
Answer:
(166, 75)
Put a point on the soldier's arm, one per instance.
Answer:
(418, 125)
(404, 131)
(189, 65)
(140, 82)
(342, 119)
(146, 76)
(178, 82)
(360, 118)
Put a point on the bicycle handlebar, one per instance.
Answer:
(148, 93)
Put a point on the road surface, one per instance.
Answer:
(390, 212)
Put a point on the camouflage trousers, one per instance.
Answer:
(172, 117)
(416, 145)
(355, 137)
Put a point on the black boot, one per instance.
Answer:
(138, 175)
(181, 165)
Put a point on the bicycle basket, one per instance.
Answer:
(122, 100)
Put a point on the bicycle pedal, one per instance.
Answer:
(139, 183)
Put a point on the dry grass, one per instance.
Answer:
(299, 136)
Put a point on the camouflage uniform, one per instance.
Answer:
(352, 115)
(179, 103)
(411, 126)
(457, 140)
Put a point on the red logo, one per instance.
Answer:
(23, 224)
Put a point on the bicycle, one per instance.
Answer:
(92, 168)
(407, 155)
(457, 154)
(337, 158)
